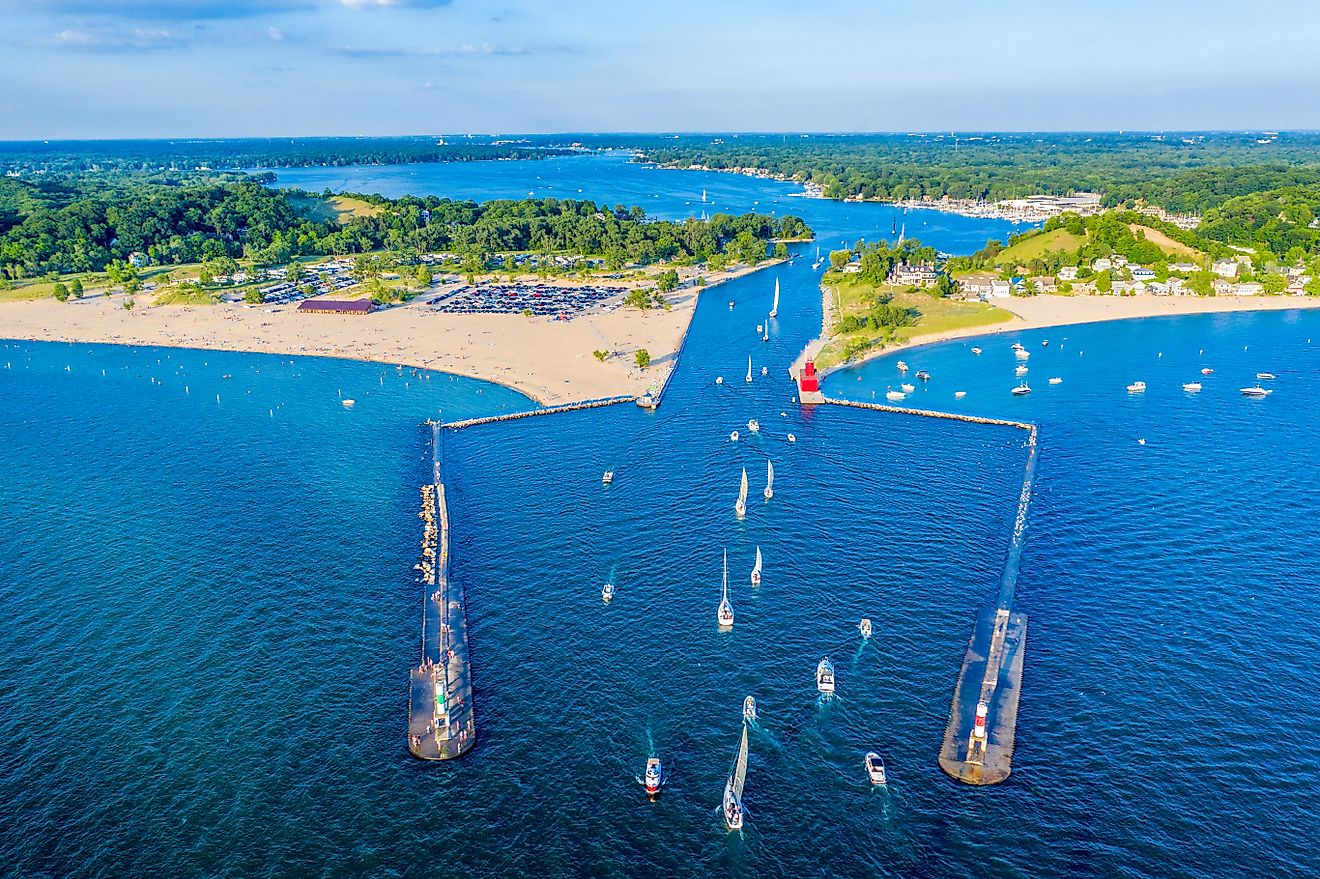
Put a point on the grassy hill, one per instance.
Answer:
(336, 209)
(1039, 245)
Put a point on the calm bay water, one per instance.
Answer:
(211, 608)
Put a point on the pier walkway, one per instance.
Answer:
(441, 716)
(548, 410)
(978, 740)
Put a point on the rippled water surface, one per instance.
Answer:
(211, 609)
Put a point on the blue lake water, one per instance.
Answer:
(211, 606)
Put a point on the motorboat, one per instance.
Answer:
(754, 426)
(1018, 346)
(1021, 390)
(1055, 380)
(1022, 354)
(875, 768)
(902, 366)
(1044, 343)
(607, 591)
(769, 481)
(607, 478)
(741, 506)
(654, 777)
(733, 436)
(348, 404)
(1136, 388)
(895, 396)
(976, 350)
(1020, 371)
(733, 788)
(923, 375)
(792, 438)
(724, 615)
(864, 627)
(907, 388)
(730, 305)
(1191, 387)
(1265, 376)
(756, 569)
(958, 395)
(749, 709)
(719, 379)
(1257, 391)
(1207, 371)
(760, 328)
(765, 370)
(825, 676)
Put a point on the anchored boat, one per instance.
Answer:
(769, 480)
(725, 613)
(1191, 387)
(1136, 388)
(733, 788)
(1257, 391)
(825, 676)
(756, 569)
(741, 506)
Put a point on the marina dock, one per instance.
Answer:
(441, 715)
(978, 740)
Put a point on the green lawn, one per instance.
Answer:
(336, 209)
(937, 316)
(1039, 245)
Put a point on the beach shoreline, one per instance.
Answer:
(1046, 311)
(550, 361)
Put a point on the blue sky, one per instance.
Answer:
(169, 68)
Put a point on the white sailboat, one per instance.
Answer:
(741, 507)
(765, 331)
(774, 308)
(756, 569)
(725, 613)
(769, 480)
(749, 369)
(733, 788)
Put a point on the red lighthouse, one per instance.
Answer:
(808, 381)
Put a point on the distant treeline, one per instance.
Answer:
(65, 157)
(84, 223)
(1179, 172)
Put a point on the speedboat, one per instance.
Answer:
(719, 379)
(607, 478)
(1191, 387)
(865, 627)
(1265, 376)
(1045, 343)
(875, 768)
(654, 776)
(976, 350)
(902, 366)
(895, 396)
(1257, 391)
(792, 438)
(733, 436)
(1020, 371)
(825, 676)
(749, 709)
(730, 305)
(607, 591)
(765, 370)
(754, 426)
(1207, 371)
(1055, 380)
(1018, 346)
(348, 404)
(958, 395)
(923, 375)
(1136, 387)
(907, 388)
(759, 329)
(1021, 390)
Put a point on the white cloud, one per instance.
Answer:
(275, 34)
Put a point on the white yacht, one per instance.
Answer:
(1265, 376)
(958, 395)
(765, 334)
(348, 404)
(907, 388)
(875, 768)
(607, 591)
(1055, 380)
(864, 627)
(1136, 388)
(1191, 387)
(654, 777)
(754, 426)
(741, 506)
(1022, 354)
(1018, 346)
(725, 613)
(1207, 371)
(902, 366)
(1021, 390)
(769, 480)
(825, 676)
(895, 396)
(1020, 371)
(733, 788)
(756, 569)
(760, 328)
(730, 305)
(976, 350)
(1257, 391)
(749, 709)
(792, 438)
(607, 478)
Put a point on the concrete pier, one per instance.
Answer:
(548, 410)
(441, 716)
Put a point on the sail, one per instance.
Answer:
(756, 569)
(724, 595)
(749, 367)
(739, 775)
(742, 492)
(769, 475)
(774, 309)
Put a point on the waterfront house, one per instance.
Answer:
(1068, 273)
(977, 284)
(1221, 287)
(336, 306)
(905, 275)
(1248, 288)
(1045, 284)
(1225, 268)
(1122, 287)
(1000, 289)
(1103, 264)
(1141, 273)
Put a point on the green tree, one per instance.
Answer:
(667, 281)
(781, 250)
(61, 292)
(253, 296)
(643, 358)
(76, 288)
(1104, 282)
(600, 355)
(424, 275)
(129, 303)
(1273, 284)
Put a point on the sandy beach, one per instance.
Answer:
(1038, 312)
(549, 360)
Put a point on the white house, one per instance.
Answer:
(1068, 273)
(1183, 267)
(1225, 268)
(1250, 288)
(1120, 260)
(1222, 287)
(1103, 264)
(977, 285)
(1141, 273)
(1000, 289)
